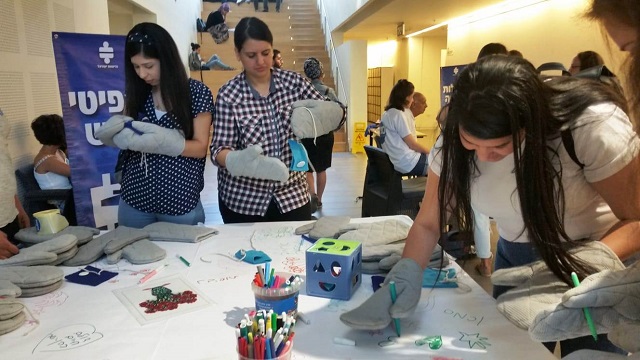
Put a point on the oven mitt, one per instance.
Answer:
(150, 138)
(82, 233)
(436, 261)
(313, 118)
(613, 297)
(140, 252)
(44, 253)
(9, 289)
(379, 239)
(11, 315)
(377, 311)
(325, 227)
(164, 231)
(33, 280)
(106, 243)
(110, 128)
(537, 289)
(62, 257)
(251, 163)
(252, 256)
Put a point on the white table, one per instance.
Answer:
(470, 326)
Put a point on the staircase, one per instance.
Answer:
(297, 33)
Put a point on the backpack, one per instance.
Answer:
(200, 25)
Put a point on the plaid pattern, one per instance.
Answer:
(243, 118)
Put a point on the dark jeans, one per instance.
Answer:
(266, 4)
(421, 167)
(510, 254)
(273, 214)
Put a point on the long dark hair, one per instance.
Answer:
(502, 96)
(152, 41)
(399, 93)
(251, 28)
(626, 12)
(589, 59)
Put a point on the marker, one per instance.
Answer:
(392, 289)
(587, 313)
(151, 274)
(184, 260)
(344, 341)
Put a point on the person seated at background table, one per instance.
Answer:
(251, 129)
(165, 137)
(514, 52)
(51, 165)
(277, 59)
(585, 60)
(541, 199)
(492, 49)
(12, 214)
(214, 63)
(398, 133)
(417, 107)
(320, 149)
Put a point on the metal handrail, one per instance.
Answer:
(335, 70)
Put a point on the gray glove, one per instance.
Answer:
(107, 243)
(164, 231)
(613, 297)
(313, 118)
(140, 252)
(538, 290)
(379, 239)
(325, 227)
(378, 311)
(109, 129)
(82, 233)
(11, 315)
(44, 253)
(33, 280)
(251, 163)
(154, 139)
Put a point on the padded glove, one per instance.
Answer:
(613, 297)
(82, 233)
(538, 290)
(107, 243)
(153, 139)
(140, 252)
(11, 315)
(379, 239)
(44, 253)
(164, 231)
(378, 311)
(251, 163)
(109, 129)
(325, 227)
(313, 118)
(33, 280)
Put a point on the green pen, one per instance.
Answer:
(184, 260)
(392, 289)
(587, 314)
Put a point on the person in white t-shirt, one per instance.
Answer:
(501, 154)
(398, 132)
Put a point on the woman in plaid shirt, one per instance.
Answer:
(251, 129)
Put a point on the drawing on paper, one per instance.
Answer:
(477, 320)
(434, 342)
(475, 340)
(52, 299)
(166, 300)
(174, 296)
(68, 338)
(391, 340)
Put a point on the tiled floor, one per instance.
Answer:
(345, 180)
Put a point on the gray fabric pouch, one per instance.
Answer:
(164, 231)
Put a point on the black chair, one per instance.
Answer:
(385, 191)
(36, 199)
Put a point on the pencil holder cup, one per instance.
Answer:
(285, 355)
(334, 268)
(282, 299)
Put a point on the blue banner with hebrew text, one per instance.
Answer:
(448, 77)
(91, 81)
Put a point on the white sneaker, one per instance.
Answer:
(239, 2)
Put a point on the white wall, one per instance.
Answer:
(551, 31)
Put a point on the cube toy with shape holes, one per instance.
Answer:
(334, 268)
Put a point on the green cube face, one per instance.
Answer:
(334, 247)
